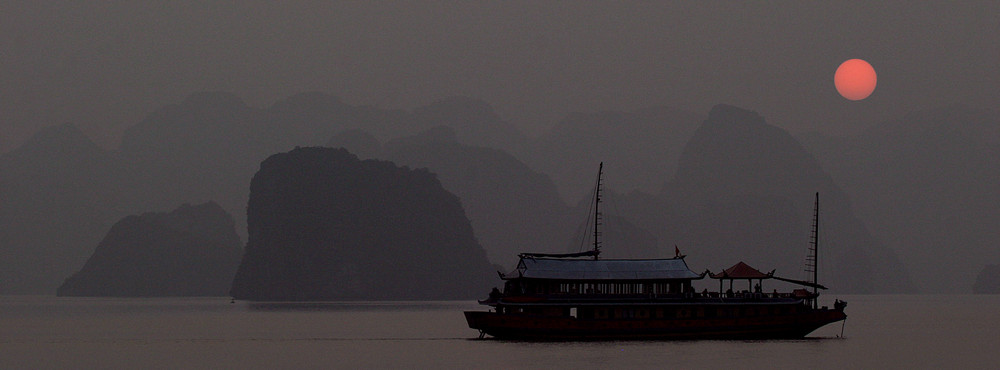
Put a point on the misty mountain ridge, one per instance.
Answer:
(191, 251)
(926, 185)
(357, 141)
(513, 208)
(58, 189)
(476, 122)
(641, 149)
(215, 163)
(58, 143)
(748, 188)
(206, 147)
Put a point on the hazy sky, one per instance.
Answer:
(104, 65)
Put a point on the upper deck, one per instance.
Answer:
(590, 270)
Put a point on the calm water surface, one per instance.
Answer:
(883, 331)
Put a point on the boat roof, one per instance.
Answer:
(590, 269)
(742, 271)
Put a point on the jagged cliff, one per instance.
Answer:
(745, 188)
(924, 184)
(57, 198)
(513, 208)
(192, 251)
(324, 225)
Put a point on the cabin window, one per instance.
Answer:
(643, 314)
(700, 312)
(659, 313)
(601, 313)
(629, 313)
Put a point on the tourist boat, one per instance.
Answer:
(582, 297)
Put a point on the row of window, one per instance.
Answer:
(659, 312)
(601, 288)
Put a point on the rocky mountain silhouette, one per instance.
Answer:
(474, 122)
(640, 149)
(512, 208)
(745, 188)
(191, 251)
(206, 147)
(926, 185)
(358, 142)
(923, 183)
(309, 119)
(324, 225)
(57, 189)
(621, 235)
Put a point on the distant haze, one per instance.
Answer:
(104, 66)
(143, 106)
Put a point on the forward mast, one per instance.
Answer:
(597, 212)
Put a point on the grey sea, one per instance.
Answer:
(882, 331)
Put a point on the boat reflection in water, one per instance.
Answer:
(581, 297)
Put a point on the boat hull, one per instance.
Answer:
(533, 327)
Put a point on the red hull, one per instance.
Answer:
(522, 326)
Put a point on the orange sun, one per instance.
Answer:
(855, 79)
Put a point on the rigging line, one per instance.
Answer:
(809, 265)
(619, 223)
(587, 230)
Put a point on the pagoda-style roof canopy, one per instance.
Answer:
(742, 271)
(590, 269)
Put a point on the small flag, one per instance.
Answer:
(677, 251)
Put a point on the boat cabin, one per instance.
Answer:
(540, 276)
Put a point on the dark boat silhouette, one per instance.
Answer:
(579, 296)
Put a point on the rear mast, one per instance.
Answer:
(597, 212)
(814, 250)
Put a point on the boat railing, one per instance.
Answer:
(742, 296)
